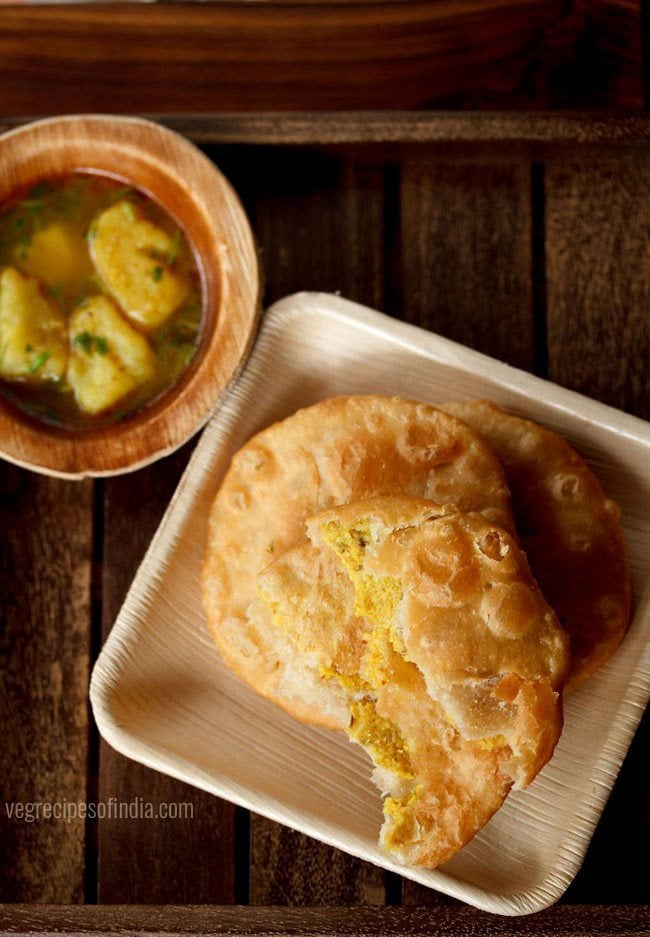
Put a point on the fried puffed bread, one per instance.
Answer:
(422, 631)
(338, 450)
(569, 529)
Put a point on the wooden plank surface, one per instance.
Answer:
(535, 132)
(45, 568)
(562, 921)
(466, 254)
(614, 35)
(150, 860)
(598, 272)
(287, 56)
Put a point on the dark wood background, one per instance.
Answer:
(443, 921)
(330, 54)
(525, 237)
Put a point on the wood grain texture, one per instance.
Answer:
(288, 868)
(466, 255)
(151, 860)
(288, 56)
(591, 56)
(418, 127)
(45, 549)
(193, 191)
(562, 921)
(598, 278)
(319, 222)
(602, 129)
(613, 37)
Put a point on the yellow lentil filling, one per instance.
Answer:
(375, 599)
(404, 828)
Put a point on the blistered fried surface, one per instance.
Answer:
(454, 695)
(339, 450)
(569, 529)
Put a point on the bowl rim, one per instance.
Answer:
(200, 199)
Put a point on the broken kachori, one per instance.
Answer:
(420, 631)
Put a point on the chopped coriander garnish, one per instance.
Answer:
(83, 340)
(129, 211)
(90, 343)
(38, 362)
(156, 274)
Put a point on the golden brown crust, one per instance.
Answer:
(423, 628)
(569, 529)
(339, 450)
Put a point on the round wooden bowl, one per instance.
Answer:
(200, 199)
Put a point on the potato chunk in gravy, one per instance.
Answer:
(33, 333)
(131, 255)
(101, 300)
(109, 359)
